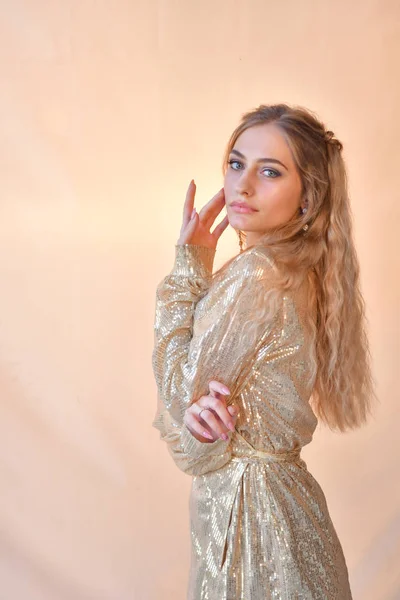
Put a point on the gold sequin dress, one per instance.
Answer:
(259, 521)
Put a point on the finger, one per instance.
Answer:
(214, 423)
(220, 228)
(219, 391)
(193, 424)
(189, 203)
(211, 210)
(217, 386)
(188, 232)
(233, 411)
(218, 406)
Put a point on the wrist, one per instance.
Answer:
(194, 260)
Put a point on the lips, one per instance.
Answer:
(242, 206)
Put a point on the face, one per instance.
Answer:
(263, 176)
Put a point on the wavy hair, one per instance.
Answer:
(319, 245)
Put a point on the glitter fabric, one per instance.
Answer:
(259, 521)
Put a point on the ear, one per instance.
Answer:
(304, 205)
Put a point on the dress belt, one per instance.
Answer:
(264, 455)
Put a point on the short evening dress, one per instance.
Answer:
(259, 521)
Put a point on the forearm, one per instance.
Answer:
(176, 299)
(190, 454)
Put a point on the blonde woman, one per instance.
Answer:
(249, 358)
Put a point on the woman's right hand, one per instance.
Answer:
(196, 230)
(216, 421)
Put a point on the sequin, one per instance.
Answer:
(259, 521)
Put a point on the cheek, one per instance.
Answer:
(271, 194)
(228, 178)
(228, 187)
(281, 193)
(279, 203)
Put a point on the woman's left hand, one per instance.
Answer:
(196, 230)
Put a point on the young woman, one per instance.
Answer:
(248, 358)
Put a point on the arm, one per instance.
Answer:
(189, 454)
(187, 354)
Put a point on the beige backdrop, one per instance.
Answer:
(108, 109)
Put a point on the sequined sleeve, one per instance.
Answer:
(188, 355)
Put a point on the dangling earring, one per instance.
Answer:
(303, 211)
(242, 238)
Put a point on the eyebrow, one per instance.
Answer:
(260, 160)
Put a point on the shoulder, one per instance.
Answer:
(255, 263)
(242, 287)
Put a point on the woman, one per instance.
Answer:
(247, 360)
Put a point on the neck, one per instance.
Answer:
(252, 238)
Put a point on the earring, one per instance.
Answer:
(303, 211)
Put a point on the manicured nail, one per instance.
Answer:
(207, 435)
(224, 436)
(225, 389)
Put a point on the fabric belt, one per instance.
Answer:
(265, 455)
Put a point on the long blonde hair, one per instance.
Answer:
(340, 359)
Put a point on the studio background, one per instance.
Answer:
(108, 110)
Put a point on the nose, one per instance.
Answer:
(243, 187)
(244, 183)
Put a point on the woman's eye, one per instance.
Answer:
(234, 161)
(275, 173)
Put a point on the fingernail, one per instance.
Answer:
(225, 389)
(224, 436)
(207, 435)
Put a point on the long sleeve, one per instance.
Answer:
(190, 351)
